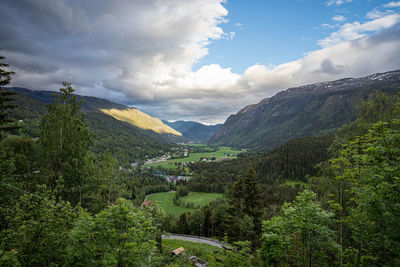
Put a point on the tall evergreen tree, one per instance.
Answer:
(6, 124)
(64, 144)
(246, 209)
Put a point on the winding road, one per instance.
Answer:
(197, 239)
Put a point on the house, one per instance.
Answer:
(147, 202)
(172, 178)
(178, 251)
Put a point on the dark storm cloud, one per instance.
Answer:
(140, 52)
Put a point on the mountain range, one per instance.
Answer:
(310, 110)
(194, 131)
(121, 129)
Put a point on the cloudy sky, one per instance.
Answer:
(196, 60)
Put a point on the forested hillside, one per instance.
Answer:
(121, 138)
(316, 109)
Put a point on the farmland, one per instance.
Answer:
(199, 199)
(198, 152)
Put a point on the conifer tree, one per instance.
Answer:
(6, 124)
(64, 144)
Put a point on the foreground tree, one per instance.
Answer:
(375, 217)
(301, 236)
(64, 144)
(245, 209)
(6, 123)
(121, 235)
(39, 228)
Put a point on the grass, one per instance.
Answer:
(195, 157)
(165, 201)
(203, 251)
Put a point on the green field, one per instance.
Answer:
(203, 251)
(164, 200)
(221, 152)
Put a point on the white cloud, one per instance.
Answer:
(239, 25)
(392, 4)
(339, 18)
(350, 31)
(337, 2)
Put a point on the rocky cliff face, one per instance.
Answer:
(314, 109)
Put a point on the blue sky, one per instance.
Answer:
(278, 31)
(198, 60)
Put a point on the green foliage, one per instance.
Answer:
(64, 144)
(39, 228)
(181, 191)
(9, 259)
(374, 218)
(7, 124)
(121, 235)
(245, 209)
(300, 236)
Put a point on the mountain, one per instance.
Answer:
(120, 112)
(194, 131)
(121, 129)
(310, 110)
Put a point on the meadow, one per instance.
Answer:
(206, 252)
(199, 199)
(207, 152)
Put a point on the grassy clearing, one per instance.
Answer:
(203, 251)
(165, 201)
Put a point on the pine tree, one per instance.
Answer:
(64, 142)
(6, 124)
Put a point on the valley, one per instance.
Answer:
(86, 167)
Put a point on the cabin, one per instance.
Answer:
(178, 251)
(147, 202)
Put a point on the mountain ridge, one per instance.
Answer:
(120, 112)
(314, 109)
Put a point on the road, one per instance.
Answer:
(197, 239)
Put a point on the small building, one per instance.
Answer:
(178, 251)
(198, 262)
(172, 178)
(147, 202)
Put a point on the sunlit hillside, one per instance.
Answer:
(141, 120)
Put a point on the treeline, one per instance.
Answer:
(293, 161)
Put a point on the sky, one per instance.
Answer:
(200, 60)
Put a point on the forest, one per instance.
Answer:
(315, 201)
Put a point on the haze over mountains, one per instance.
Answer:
(315, 109)
(194, 131)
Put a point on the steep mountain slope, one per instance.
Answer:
(315, 109)
(120, 112)
(140, 119)
(116, 135)
(194, 131)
